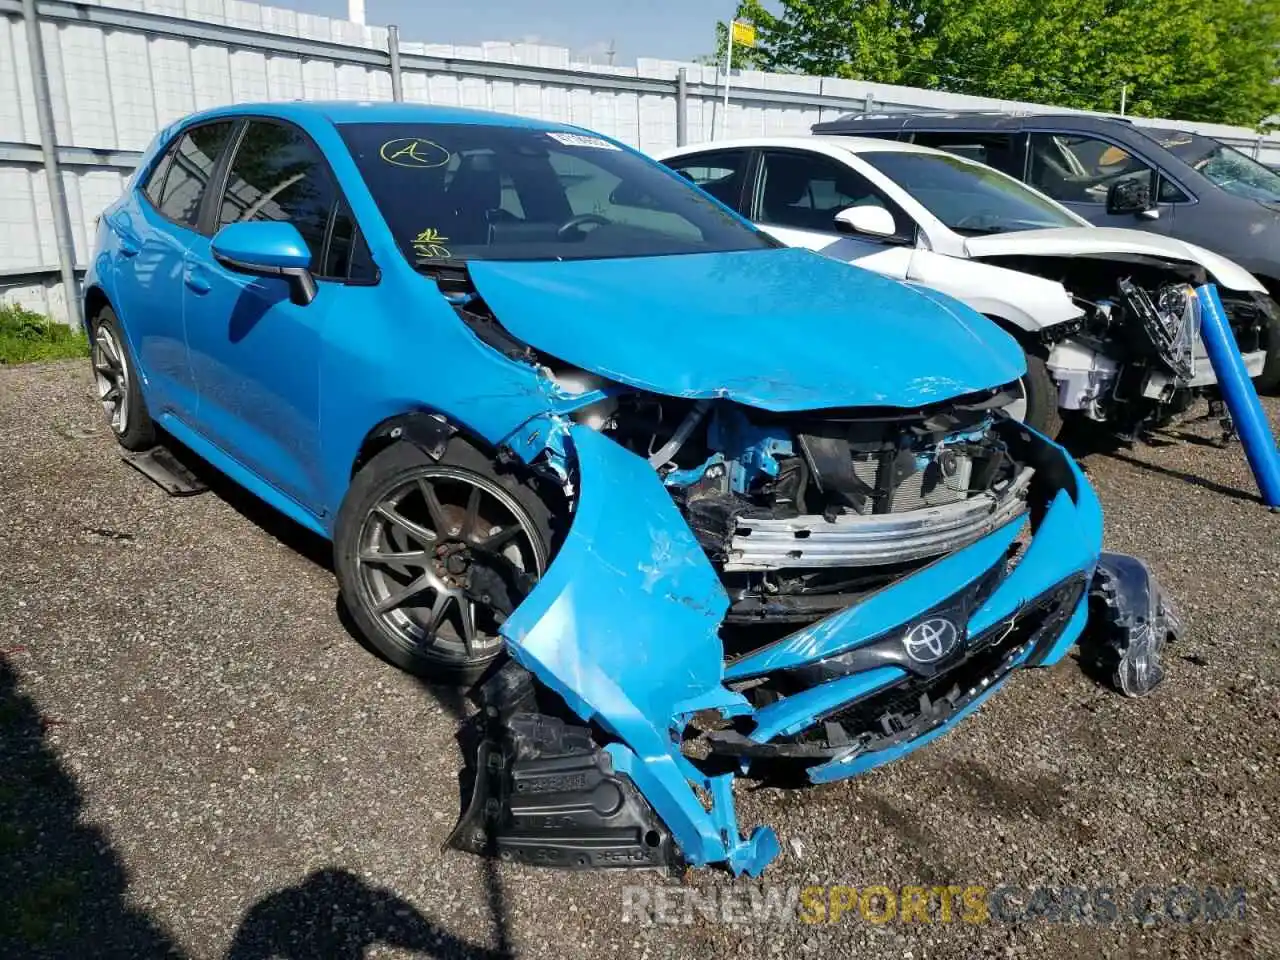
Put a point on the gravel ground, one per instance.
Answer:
(196, 757)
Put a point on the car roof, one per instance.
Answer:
(847, 144)
(980, 120)
(362, 111)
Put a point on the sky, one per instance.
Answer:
(667, 29)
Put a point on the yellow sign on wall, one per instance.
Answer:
(743, 33)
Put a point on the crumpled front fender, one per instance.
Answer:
(623, 626)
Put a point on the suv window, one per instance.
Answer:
(186, 171)
(279, 174)
(720, 173)
(993, 149)
(807, 190)
(1077, 169)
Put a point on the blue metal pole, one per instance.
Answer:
(1239, 394)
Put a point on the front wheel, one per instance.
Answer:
(1269, 379)
(432, 556)
(1038, 405)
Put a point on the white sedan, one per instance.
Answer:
(1081, 299)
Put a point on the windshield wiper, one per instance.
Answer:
(449, 273)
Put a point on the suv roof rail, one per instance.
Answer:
(950, 114)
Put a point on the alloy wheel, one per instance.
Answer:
(444, 556)
(111, 376)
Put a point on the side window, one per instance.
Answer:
(807, 190)
(155, 182)
(279, 174)
(1170, 193)
(993, 149)
(1079, 169)
(720, 173)
(188, 169)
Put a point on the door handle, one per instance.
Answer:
(193, 277)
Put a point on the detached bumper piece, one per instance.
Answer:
(545, 795)
(1130, 621)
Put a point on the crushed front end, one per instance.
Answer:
(797, 595)
(1136, 359)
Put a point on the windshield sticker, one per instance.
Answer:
(414, 152)
(582, 140)
(430, 243)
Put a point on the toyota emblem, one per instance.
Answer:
(931, 640)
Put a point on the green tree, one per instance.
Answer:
(1211, 60)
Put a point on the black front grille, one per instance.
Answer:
(917, 703)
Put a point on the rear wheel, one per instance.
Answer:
(116, 384)
(1038, 406)
(432, 556)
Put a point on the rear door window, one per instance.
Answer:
(187, 170)
(720, 173)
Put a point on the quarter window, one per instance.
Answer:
(187, 169)
(1078, 169)
(995, 150)
(806, 191)
(347, 256)
(279, 174)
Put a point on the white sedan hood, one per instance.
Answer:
(1102, 242)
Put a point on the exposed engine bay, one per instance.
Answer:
(1136, 358)
(804, 513)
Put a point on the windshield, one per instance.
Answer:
(968, 198)
(1222, 165)
(481, 191)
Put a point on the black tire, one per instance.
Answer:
(1042, 398)
(133, 428)
(1268, 381)
(399, 634)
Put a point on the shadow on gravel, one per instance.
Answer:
(1083, 439)
(334, 915)
(271, 521)
(1196, 481)
(64, 886)
(285, 924)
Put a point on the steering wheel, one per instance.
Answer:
(581, 220)
(974, 221)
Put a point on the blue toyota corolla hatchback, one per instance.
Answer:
(547, 397)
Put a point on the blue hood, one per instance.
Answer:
(778, 329)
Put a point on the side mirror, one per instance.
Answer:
(868, 221)
(268, 249)
(1128, 196)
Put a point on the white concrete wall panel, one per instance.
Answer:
(113, 88)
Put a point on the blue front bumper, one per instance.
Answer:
(624, 627)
